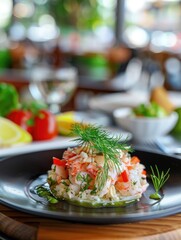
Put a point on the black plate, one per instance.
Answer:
(20, 174)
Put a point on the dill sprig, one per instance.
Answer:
(97, 140)
(159, 179)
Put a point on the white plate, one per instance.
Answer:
(59, 142)
(109, 102)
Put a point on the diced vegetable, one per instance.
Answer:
(123, 177)
(59, 162)
(135, 160)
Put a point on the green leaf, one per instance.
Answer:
(34, 106)
(9, 99)
(30, 122)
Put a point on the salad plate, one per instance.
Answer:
(21, 174)
(58, 142)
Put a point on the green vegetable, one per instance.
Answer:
(177, 129)
(9, 99)
(45, 193)
(97, 140)
(158, 180)
(34, 106)
(149, 110)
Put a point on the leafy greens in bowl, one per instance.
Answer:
(151, 109)
(142, 127)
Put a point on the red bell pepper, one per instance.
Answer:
(59, 162)
(123, 177)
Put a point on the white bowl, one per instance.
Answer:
(144, 128)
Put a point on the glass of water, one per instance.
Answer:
(55, 87)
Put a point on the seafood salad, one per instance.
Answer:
(98, 172)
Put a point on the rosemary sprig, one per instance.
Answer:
(97, 140)
(159, 179)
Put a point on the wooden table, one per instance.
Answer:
(37, 228)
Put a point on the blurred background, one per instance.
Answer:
(100, 38)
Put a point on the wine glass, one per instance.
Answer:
(55, 87)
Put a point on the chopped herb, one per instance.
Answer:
(52, 181)
(44, 192)
(85, 179)
(79, 177)
(65, 183)
(158, 180)
(94, 190)
(96, 140)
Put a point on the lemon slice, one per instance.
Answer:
(11, 134)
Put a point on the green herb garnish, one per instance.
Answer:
(158, 180)
(85, 179)
(44, 192)
(95, 140)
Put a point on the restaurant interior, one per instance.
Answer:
(111, 64)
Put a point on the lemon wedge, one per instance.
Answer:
(11, 134)
(66, 116)
(65, 122)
